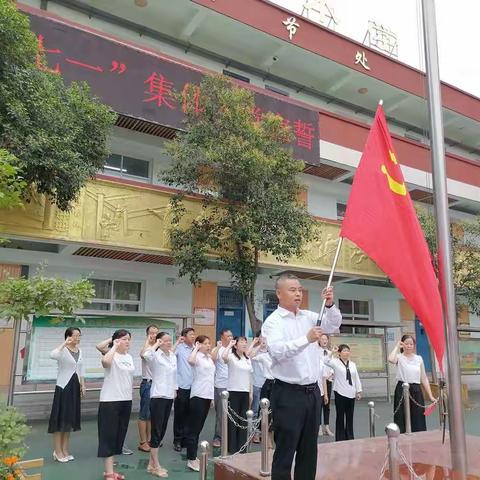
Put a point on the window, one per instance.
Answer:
(354, 310)
(127, 166)
(341, 208)
(116, 295)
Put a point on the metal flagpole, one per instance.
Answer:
(457, 428)
(329, 283)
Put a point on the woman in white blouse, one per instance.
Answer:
(239, 388)
(115, 401)
(201, 396)
(347, 388)
(162, 362)
(410, 369)
(65, 414)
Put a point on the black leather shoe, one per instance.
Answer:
(177, 447)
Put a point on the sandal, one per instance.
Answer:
(157, 472)
(144, 449)
(114, 476)
(151, 469)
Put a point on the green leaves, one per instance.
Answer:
(13, 430)
(58, 133)
(38, 295)
(248, 177)
(11, 184)
(466, 256)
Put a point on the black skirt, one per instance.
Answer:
(113, 418)
(417, 416)
(65, 415)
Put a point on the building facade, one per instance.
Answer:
(134, 55)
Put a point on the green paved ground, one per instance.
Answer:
(88, 467)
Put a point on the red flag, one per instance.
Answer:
(381, 220)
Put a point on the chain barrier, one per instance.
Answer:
(413, 474)
(400, 403)
(420, 405)
(384, 466)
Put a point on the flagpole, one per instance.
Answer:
(330, 278)
(455, 411)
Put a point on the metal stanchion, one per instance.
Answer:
(265, 465)
(393, 433)
(249, 428)
(204, 448)
(224, 448)
(371, 418)
(406, 407)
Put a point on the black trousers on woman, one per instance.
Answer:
(417, 417)
(239, 403)
(344, 422)
(197, 414)
(326, 406)
(160, 409)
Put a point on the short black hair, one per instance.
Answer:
(283, 277)
(224, 330)
(69, 331)
(151, 326)
(119, 334)
(161, 335)
(343, 346)
(186, 331)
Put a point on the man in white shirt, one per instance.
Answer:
(292, 337)
(221, 381)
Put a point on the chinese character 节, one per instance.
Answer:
(291, 25)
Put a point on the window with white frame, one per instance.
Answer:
(124, 166)
(116, 296)
(354, 310)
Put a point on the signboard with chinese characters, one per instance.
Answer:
(47, 334)
(208, 316)
(470, 355)
(366, 351)
(140, 84)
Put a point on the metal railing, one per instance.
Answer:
(204, 449)
(406, 406)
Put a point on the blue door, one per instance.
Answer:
(230, 311)
(423, 347)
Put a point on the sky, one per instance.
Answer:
(457, 24)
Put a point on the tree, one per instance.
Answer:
(465, 238)
(58, 133)
(11, 184)
(249, 185)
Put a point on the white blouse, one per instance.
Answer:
(163, 368)
(67, 366)
(340, 382)
(239, 373)
(409, 369)
(118, 382)
(203, 377)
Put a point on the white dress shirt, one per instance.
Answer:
(118, 382)
(340, 382)
(264, 361)
(67, 365)
(294, 359)
(184, 369)
(239, 373)
(203, 377)
(163, 367)
(409, 368)
(327, 371)
(221, 370)
(146, 370)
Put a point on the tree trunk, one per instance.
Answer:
(255, 323)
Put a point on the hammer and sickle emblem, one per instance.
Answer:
(395, 187)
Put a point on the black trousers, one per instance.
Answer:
(239, 403)
(160, 409)
(112, 421)
(344, 422)
(180, 414)
(296, 420)
(326, 406)
(197, 414)
(417, 418)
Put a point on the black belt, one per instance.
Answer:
(146, 380)
(310, 388)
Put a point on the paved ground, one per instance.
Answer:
(88, 467)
